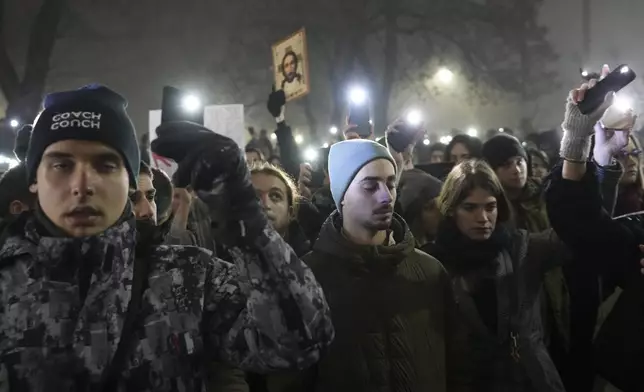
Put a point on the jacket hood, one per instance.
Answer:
(369, 257)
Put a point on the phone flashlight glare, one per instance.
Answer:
(357, 95)
(414, 117)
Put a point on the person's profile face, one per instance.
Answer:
(513, 174)
(143, 202)
(82, 186)
(289, 66)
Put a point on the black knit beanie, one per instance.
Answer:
(91, 113)
(502, 147)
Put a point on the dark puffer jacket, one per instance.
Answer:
(393, 310)
(507, 280)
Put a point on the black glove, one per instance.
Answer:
(207, 160)
(276, 102)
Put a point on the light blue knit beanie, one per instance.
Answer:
(346, 158)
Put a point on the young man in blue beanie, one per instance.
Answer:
(86, 308)
(393, 309)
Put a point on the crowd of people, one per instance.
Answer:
(248, 270)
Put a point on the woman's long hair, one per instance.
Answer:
(463, 180)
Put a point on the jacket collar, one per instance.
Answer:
(370, 257)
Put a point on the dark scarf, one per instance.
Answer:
(462, 255)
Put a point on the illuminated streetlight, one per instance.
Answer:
(325, 145)
(191, 103)
(299, 139)
(473, 132)
(445, 75)
(426, 142)
(333, 130)
(310, 154)
(14, 123)
(445, 139)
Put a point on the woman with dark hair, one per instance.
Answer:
(539, 163)
(463, 147)
(497, 272)
(630, 196)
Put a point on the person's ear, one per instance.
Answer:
(291, 214)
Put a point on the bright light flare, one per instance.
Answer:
(501, 130)
(473, 132)
(191, 103)
(273, 136)
(445, 75)
(414, 117)
(624, 69)
(584, 73)
(310, 154)
(8, 161)
(14, 123)
(445, 139)
(333, 130)
(623, 104)
(358, 95)
(426, 142)
(299, 139)
(325, 145)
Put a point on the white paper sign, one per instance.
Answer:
(227, 120)
(167, 165)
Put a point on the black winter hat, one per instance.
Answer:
(502, 147)
(92, 113)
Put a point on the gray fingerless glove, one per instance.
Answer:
(578, 129)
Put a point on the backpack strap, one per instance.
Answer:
(113, 371)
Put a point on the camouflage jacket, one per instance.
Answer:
(63, 302)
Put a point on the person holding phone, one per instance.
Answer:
(610, 248)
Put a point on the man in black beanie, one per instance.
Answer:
(85, 307)
(83, 145)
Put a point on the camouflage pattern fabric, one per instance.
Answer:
(63, 302)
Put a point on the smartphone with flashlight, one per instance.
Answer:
(404, 132)
(619, 78)
(360, 119)
(179, 105)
